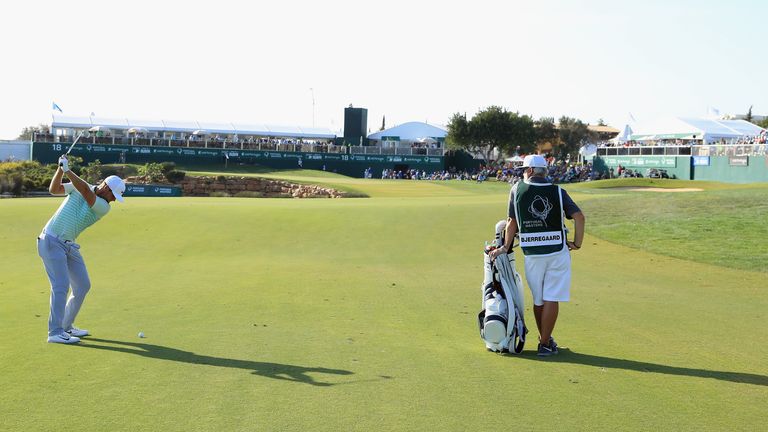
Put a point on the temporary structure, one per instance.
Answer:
(694, 129)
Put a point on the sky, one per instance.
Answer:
(300, 63)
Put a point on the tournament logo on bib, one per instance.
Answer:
(540, 208)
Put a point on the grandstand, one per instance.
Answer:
(123, 140)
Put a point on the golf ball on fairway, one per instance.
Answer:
(141, 334)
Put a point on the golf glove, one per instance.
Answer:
(64, 164)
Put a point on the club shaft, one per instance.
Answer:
(74, 142)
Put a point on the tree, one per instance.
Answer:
(572, 133)
(763, 123)
(523, 134)
(28, 132)
(493, 128)
(546, 131)
(383, 122)
(459, 136)
(601, 122)
(748, 117)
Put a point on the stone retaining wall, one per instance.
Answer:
(248, 187)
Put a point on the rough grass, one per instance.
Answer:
(279, 314)
(719, 225)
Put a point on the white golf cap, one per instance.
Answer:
(117, 185)
(534, 161)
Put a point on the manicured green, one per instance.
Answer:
(360, 314)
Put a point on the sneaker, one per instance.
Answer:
(547, 350)
(74, 331)
(63, 338)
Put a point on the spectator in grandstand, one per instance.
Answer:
(83, 206)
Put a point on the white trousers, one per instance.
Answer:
(549, 277)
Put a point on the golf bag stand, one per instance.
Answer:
(501, 319)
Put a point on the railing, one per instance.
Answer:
(695, 150)
(246, 145)
(645, 151)
(731, 150)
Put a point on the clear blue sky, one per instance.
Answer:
(409, 60)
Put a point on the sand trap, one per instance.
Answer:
(655, 189)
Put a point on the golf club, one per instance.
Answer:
(74, 142)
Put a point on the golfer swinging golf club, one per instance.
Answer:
(84, 205)
(536, 211)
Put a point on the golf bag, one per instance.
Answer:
(501, 319)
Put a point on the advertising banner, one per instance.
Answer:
(738, 161)
(642, 161)
(700, 160)
(151, 190)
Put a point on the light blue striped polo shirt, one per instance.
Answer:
(74, 215)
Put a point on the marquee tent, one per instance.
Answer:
(694, 129)
(411, 132)
(189, 127)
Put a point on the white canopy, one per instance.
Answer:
(61, 121)
(624, 135)
(708, 130)
(413, 132)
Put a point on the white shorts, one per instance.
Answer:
(549, 277)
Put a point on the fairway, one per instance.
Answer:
(361, 314)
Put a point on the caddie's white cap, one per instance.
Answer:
(534, 161)
(117, 185)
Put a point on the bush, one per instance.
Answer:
(92, 173)
(175, 176)
(121, 171)
(25, 176)
(167, 167)
(17, 184)
(152, 171)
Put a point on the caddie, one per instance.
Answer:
(537, 212)
(84, 205)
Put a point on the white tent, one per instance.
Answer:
(412, 132)
(188, 127)
(624, 135)
(695, 129)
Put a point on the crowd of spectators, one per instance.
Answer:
(761, 138)
(651, 143)
(415, 174)
(558, 172)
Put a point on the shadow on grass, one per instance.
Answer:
(568, 356)
(268, 370)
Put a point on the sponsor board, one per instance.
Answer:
(151, 190)
(641, 161)
(163, 153)
(738, 160)
(251, 154)
(701, 161)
